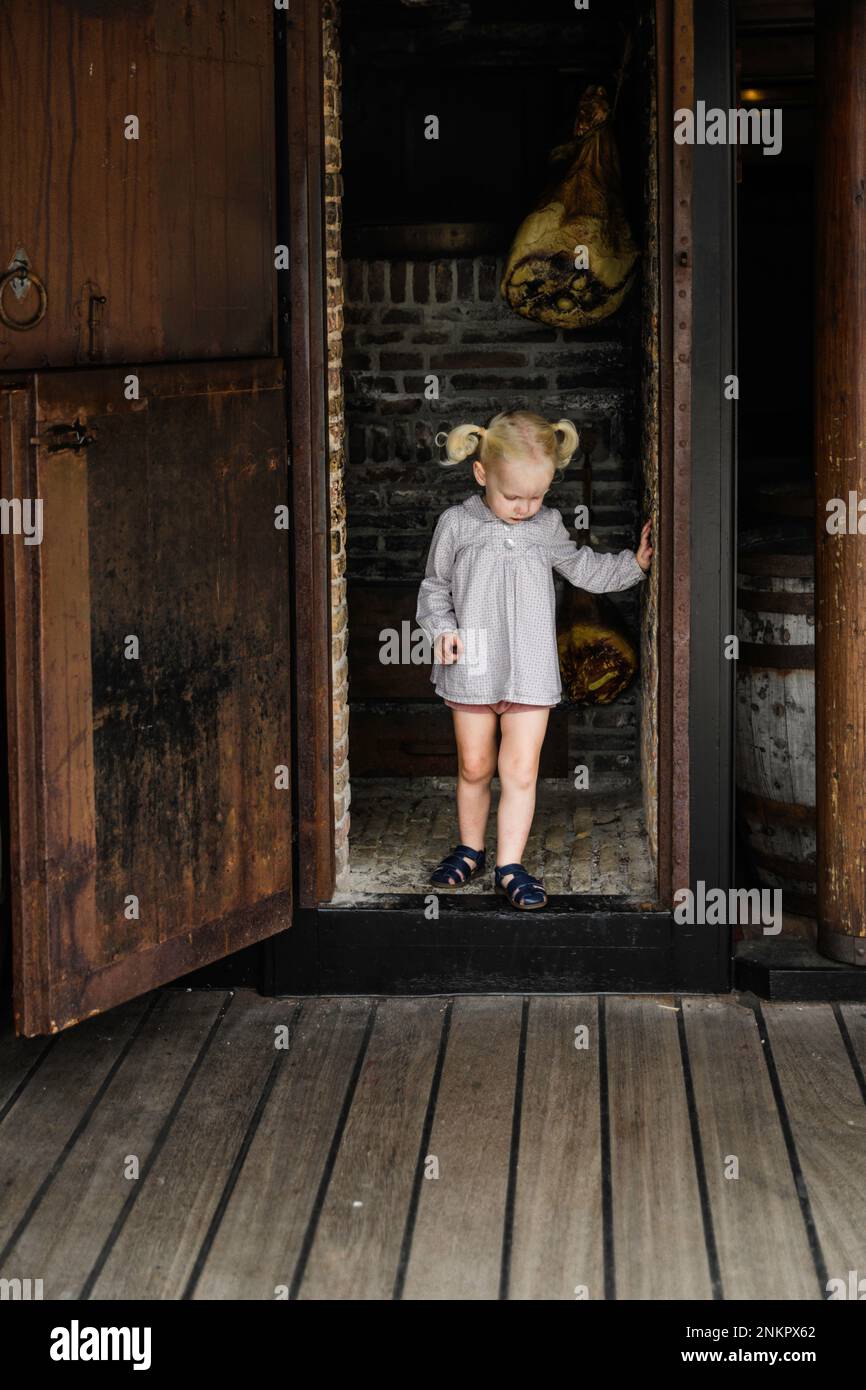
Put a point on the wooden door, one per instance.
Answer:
(143, 403)
(148, 642)
(139, 185)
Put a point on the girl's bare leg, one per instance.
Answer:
(519, 753)
(476, 765)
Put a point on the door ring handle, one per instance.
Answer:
(23, 272)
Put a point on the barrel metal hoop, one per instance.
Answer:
(778, 566)
(776, 812)
(784, 867)
(776, 601)
(772, 656)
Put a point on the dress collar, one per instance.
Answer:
(477, 507)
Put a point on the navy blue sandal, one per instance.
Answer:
(522, 890)
(455, 867)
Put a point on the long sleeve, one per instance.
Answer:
(435, 612)
(586, 569)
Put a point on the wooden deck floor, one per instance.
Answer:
(433, 1148)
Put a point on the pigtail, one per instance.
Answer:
(461, 443)
(567, 441)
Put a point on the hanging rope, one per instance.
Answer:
(621, 71)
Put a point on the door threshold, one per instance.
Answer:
(450, 903)
(479, 944)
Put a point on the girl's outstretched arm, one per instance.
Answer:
(586, 569)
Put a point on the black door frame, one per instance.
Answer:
(714, 479)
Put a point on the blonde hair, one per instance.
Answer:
(511, 434)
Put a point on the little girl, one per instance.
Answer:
(487, 604)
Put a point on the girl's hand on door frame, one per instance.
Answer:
(644, 552)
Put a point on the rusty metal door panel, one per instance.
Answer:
(150, 249)
(148, 777)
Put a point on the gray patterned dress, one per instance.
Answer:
(492, 581)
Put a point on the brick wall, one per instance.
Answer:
(336, 429)
(408, 321)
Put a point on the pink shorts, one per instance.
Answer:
(501, 707)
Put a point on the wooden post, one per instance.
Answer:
(840, 462)
(304, 346)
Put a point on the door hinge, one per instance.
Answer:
(57, 439)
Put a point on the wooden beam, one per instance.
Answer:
(840, 464)
(675, 75)
(304, 343)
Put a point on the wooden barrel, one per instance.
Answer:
(776, 717)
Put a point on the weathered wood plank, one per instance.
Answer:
(154, 1253)
(197, 77)
(840, 472)
(168, 794)
(457, 1245)
(828, 1123)
(303, 341)
(234, 28)
(675, 78)
(357, 1246)
(557, 1238)
(658, 1234)
(256, 1248)
(68, 1229)
(761, 1241)
(65, 694)
(776, 718)
(37, 1129)
(216, 283)
(854, 1019)
(72, 1174)
(27, 877)
(18, 1057)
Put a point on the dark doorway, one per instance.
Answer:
(427, 227)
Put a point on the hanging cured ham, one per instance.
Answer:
(598, 657)
(574, 260)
